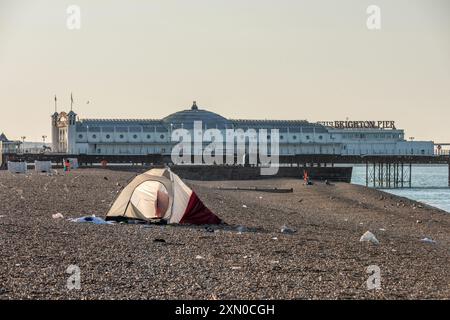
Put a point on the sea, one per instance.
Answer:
(429, 185)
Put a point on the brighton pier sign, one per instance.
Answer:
(382, 124)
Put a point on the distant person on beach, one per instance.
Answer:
(67, 166)
(306, 178)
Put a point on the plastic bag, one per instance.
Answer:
(369, 237)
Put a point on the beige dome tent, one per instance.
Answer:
(160, 194)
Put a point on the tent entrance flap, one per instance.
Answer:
(151, 200)
(160, 194)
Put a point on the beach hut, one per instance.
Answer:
(17, 167)
(160, 194)
(43, 166)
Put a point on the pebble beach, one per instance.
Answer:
(248, 257)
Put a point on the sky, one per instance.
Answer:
(253, 59)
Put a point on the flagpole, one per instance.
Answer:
(56, 109)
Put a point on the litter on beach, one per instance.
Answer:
(428, 240)
(91, 219)
(369, 237)
(325, 239)
(57, 216)
(287, 230)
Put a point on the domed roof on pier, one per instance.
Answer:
(186, 118)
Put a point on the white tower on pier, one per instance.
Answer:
(55, 130)
(71, 132)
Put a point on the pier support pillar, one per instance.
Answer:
(367, 174)
(396, 174)
(388, 173)
(374, 174)
(410, 174)
(402, 175)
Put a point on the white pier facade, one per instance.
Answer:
(153, 136)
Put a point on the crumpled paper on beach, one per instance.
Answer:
(287, 230)
(369, 237)
(428, 240)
